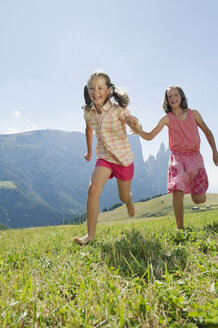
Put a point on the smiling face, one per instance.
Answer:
(174, 98)
(98, 91)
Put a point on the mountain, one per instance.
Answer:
(44, 177)
(155, 167)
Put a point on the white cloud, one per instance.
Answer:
(17, 113)
(12, 131)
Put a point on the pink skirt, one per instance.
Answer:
(186, 173)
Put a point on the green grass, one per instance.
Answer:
(159, 207)
(140, 273)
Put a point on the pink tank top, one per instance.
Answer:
(183, 135)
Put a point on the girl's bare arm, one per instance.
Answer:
(150, 135)
(209, 135)
(89, 137)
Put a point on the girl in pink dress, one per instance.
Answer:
(186, 172)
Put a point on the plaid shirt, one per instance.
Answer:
(112, 139)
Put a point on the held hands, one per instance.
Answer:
(88, 157)
(133, 122)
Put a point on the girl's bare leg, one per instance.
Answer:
(198, 199)
(99, 177)
(126, 196)
(178, 208)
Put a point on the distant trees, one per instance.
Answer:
(82, 218)
(2, 226)
(149, 198)
(111, 208)
(78, 219)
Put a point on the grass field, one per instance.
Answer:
(159, 207)
(137, 273)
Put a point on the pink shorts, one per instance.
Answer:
(186, 173)
(124, 173)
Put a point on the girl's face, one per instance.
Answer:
(98, 91)
(174, 98)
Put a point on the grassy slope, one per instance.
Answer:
(158, 207)
(138, 273)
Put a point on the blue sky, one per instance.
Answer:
(50, 47)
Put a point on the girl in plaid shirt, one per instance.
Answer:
(186, 172)
(114, 154)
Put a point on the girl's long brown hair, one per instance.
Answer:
(184, 102)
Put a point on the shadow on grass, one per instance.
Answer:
(135, 255)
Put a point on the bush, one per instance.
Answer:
(2, 226)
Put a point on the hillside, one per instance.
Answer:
(159, 207)
(44, 177)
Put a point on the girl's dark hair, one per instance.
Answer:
(184, 102)
(118, 94)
